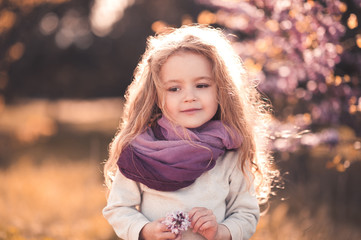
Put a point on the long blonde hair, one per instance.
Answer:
(240, 104)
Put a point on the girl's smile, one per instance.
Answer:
(190, 92)
(191, 110)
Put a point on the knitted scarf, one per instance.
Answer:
(168, 157)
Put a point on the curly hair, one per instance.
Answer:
(241, 106)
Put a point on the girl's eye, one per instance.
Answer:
(173, 89)
(202, 85)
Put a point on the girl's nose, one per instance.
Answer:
(190, 96)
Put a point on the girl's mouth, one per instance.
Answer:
(190, 110)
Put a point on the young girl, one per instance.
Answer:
(190, 140)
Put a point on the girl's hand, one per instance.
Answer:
(204, 222)
(157, 231)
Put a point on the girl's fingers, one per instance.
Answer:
(161, 226)
(198, 212)
(195, 210)
(208, 225)
(164, 232)
(204, 222)
(200, 216)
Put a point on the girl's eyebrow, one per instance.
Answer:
(196, 79)
(172, 81)
(204, 77)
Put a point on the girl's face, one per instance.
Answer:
(190, 91)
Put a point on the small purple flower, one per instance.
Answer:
(177, 221)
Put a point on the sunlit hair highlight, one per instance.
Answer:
(240, 104)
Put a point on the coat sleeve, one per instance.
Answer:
(242, 209)
(121, 212)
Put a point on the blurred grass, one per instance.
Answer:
(280, 224)
(53, 200)
(51, 182)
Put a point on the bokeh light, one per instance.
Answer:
(49, 23)
(7, 20)
(74, 29)
(105, 13)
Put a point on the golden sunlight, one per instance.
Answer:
(32, 119)
(352, 21)
(105, 13)
(158, 26)
(7, 20)
(206, 17)
(358, 40)
(16, 51)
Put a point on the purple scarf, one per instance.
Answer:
(164, 159)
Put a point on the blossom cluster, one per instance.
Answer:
(177, 221)
(293, 48)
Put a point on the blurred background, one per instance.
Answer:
(65, 65)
